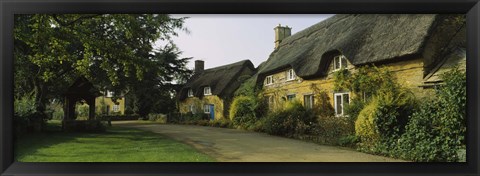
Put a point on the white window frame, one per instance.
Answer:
(269, 80)
(341, 94)
(340, 58)
(206, 109)
(207, 91)
(116, 108)
(192, 108)
(109, 94)
(190, 93)
(294, 96)
(311, 101)
(270, 101)
(291, 75)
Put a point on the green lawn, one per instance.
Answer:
(115, 145)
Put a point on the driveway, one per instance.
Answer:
(233, 145)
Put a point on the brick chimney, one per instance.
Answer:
(281, 32)
(199, 66)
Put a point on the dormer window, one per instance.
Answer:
(207, 91)
(339, 62)
(190, 93)
(291, 75)
(269, 80)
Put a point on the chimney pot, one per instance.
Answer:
(281, 32)
(199, 66)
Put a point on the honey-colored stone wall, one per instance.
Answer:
(184, 106)
(109, 102)
(408, 73)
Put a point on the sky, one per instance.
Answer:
(224, 39)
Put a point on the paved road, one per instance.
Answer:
(233, 145)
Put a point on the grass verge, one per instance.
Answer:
(118, 144)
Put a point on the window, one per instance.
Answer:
(291, 75)
(109, 93)
(341, 99)
(116, 108)
(291, 97)
(270, 101)
(269, 80)
(308, 101)
(192, 108)
(190, 93)
(207, 91)
(339, 62)
(206, 108)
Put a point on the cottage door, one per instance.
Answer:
(212, 112)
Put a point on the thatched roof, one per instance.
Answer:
(363, 39)
(220, 79)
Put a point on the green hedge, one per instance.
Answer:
(291, 121)
(436, 131)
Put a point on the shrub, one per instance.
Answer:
(348, 141)
(24, 107)
(190, 117)
(223, 123)
(364, 125)
(242, 111)
(331, 129)
(436, 131)
(382, 121)
(157, 117)
(353, 109)
(291, 121)
(26, 118)
(82, 111)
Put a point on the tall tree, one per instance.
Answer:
(114, 51)
(156, 93)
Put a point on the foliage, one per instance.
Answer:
(380, 107)
(361, 84)
(242, 111)
(24, 114)
(247, 88)
(353, 109)
(55, 111)
(156, 93)
(342, 79)
(157, 117)
(322, 107)
(113, 51)
(436, 131)
(348, 141)
(24, 107)
(242, 106)
(187, 117)
(293, 120)
(223, 123)
(382, 121)
(364, 125)
(82, 111)
(331, 129)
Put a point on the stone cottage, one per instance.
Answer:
(211, 91)
(416, 48)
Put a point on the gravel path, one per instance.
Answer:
(233, 145)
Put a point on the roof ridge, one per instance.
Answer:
(227, 65)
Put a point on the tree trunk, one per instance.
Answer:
(40, 105)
